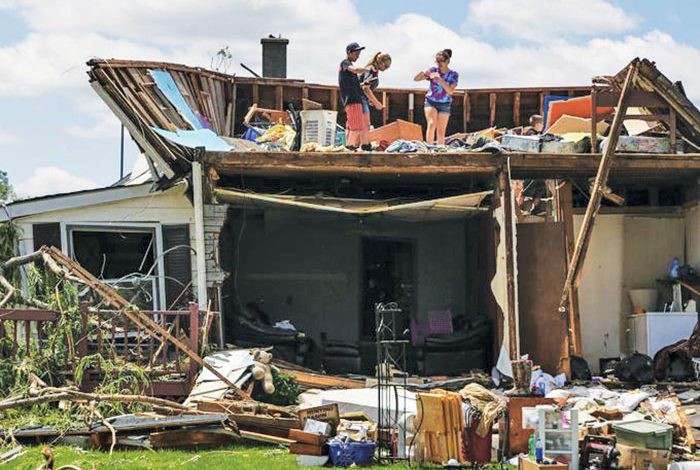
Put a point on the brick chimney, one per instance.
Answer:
(274, 57)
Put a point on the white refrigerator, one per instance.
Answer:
(652, 331)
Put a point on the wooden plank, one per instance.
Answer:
(506, 201)
(334, 99)
(256, 94)
(323, 381)
(492, 109)
(672, 129)
(579, 254)
(258, 437)
(566, 215)
(542, 95)
(279, 97)
(29, 314)
(385, 111)
(305, 93)
(516, 109)
(594, 120)
(637, 98)
(466, 110)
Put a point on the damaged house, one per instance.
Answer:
(474, 244)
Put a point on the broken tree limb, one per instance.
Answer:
(584, 236)
(113, 298)
(58, 394)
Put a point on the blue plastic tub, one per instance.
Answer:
(344, 454)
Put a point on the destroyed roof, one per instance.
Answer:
(163, 103)
(649, 78)
(147, 96)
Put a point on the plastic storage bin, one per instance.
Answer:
(344, 454)
(643, 433)
(318, 125)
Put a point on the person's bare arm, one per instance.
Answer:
(420, 76)
(372, 98)
(358, 70)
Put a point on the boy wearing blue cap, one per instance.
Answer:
(351, 96)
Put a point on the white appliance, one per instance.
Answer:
(652, 331)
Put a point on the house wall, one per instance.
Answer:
(692, 236)
(307, 268)
(154, 210)
(625, 252)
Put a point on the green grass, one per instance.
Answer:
(238, 457)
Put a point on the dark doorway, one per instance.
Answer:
(388, 276)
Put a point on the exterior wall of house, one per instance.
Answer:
(307, 267)
(626, 252)
(692, 236)
(151, 211)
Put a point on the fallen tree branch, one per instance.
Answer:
(58, 394)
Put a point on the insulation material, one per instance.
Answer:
(434, 209)
(639, 126)
(568, 124)
(580, 107)
(499, 287)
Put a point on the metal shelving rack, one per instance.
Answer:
(391, 390)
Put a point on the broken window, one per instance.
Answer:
(124, 258)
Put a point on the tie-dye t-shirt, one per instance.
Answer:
(436, 92)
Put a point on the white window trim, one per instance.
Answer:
(156, 228)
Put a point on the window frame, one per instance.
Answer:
(154, 229)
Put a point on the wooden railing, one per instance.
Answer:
(113, 336)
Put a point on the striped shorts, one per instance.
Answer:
(355, 119)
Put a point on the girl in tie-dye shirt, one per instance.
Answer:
(438, 99)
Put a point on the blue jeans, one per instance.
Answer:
(442, 108)
(365, 105)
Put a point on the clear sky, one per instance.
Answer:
(56, 135)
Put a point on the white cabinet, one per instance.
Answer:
(652, 331)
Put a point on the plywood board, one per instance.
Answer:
(542, 270)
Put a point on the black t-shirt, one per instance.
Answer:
(350, 90)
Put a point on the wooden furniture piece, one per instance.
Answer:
(516, 436)
(397, 130)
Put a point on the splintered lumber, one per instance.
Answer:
(310, 380)
(584, 237)
(113, 298)
(255, 436)
(189, 438)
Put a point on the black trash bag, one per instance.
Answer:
(636, 368)
(580, 369)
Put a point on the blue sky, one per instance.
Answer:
(56, 135)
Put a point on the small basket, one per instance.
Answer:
(344, 454)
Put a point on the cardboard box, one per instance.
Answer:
(397, 130)
(639, 458)
(524, 463)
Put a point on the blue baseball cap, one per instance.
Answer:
(353, 46)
